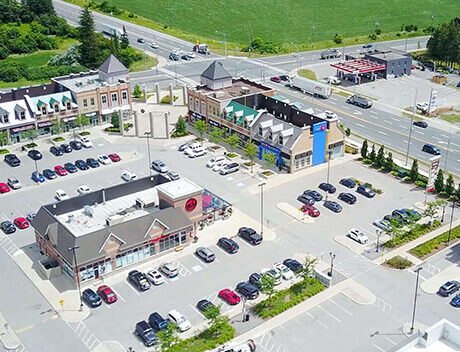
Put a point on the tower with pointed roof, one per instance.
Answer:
(112, 71)
(216, 76)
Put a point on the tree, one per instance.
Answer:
(201, 127)
(124, 39)
(57, 127)
(168, 337)
(267, 285)
(215, 317)
(137, 93)
(89, 48)
(40, 7)
(372, 154)
(364, 149)
(444, 44)
(307, 269)
(115, 45)
(380, 159)
(414, 170)
(389, 163)
(251, 151)
(115, 120)
(216, 135)
(3, 139)
(233, 141)
(439, 182)
(270, 159)
(29, 134)
(81, 121)
(450, 185)
(181, 127)
(432, 208)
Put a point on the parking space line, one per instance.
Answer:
(394, 343)
(228, 255)
(118, 295)
(316, 319)
(247, 244)
(195, 309)
(200, 261)
(330, 314)
(132, 288)
(377, 347)
(338, 305)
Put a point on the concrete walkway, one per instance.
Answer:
(432, 285)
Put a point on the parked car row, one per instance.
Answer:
(397, 217)
(9, 227)
(449, 288)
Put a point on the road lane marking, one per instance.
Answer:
(330, 314)
(402, 126)
(377, 347)
(375, 117)
(420, 132)
(395, 119)
(358, 124)
(388, 122)
(383, 133)
(338, 305)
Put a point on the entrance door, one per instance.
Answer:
(96, 271)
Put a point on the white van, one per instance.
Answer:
(191, 147)
(333, 80)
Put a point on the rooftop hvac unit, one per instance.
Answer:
(219, 94)
(245, 90)
(145, 202)
(114, 220)
(88, 210)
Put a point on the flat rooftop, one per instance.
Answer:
(82, 82)
(390, 55)
(358, 66)
(179, 188)
(235, 90)
(437, 346)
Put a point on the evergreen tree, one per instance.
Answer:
(115, 45)
(124, 39)
(89, 48)
(364, 149)
(414, 170)
(439, 182)
(40, 7)
(380, 159)
(372, 154)
(137, 93)
(181, 127)
(450, 185)
(389, 163)
(115, 120)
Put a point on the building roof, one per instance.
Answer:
(388, 55)
(13, 109)
(358, 66)
(242, 113)
(50, 100)
(216, 71)
(112, 65)
(179, 188)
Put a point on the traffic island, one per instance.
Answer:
(8, 337)
(295, 213)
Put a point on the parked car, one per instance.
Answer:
(103, 159)
(180, 320)
(327, 187)
(229, 168)
(21, 223)
(214, 161)
(114, 157)
(82, 190)
(56, 151)
(412, 214)
(195, 153)
(347, 182)
(91, 298)
(128, 175)
(12, 160)
(31, 216)
(81, 165)
(155, 277)
(285, 272)
(85, 142)
(219, 165)
(71, 168)
(49, 174)
(358, 236)
(423, 107)
(60, 170)
(229, 296)
(93, 163)
(292, 264)
(4, 188)
(248, 346)
(276, 79)
(139, 280)
(8, 227)
(159, 166)
(169, 270)
(455, 302)
(274, 274)
(66, 148)
(334, 206)
(347, 198)
(382, 224)
(228, 245)
(37, 177)
(172, 175)
(75, 145)
(204, 304)
(250, 235)
(421, 124)
(306, 199)
(106, 293)
(34, 154)
(402, 215)
(394, 220)
(448, 288)
(365, 191)
(247, 290)
(61, 195)
(256, 279)
(314, 194)
(206, 254)
(13, 182)
(157, 322)
(184, 146)
(431, 149)
(146, 334)
(310, 210)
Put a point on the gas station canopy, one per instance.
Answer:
(357, 66)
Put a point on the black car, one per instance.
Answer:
(448, 288)
(8, 227)
(66, 148)
(92, 162)
(139, 280)
(56, 151)
(174, 57)
(49, 174)
(12, 160)
(334, 206)
(81, 165)
(347, 197)
(247, 290)
(186, 57)
(203, 305)
(395, 221)
(314, 194)
(34, 154)
(401, 214)
(146, 334)
(228, 245)
(412, 214)
(284, 77)
(327, 187)
(250, 235)
(431, 149)
(292, 264)
(348, 182)
(141, 40)
(91, 298)
(157, 322)
(421, 124)
(306, 199)
(71, 168)
(256, 279)
(365, 191)
(75, 145)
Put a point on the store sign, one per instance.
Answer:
(213, 123)
(197, 116)
(22, 128)
(271, 148)
(433, 97)
(191, 204)
(44, 124)
(434, 169)
(319, 127)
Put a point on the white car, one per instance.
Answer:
(358, 236)
(192, 55)
(180, 320)
(214, 161)
(128, 175)
(197, 152)
(83, 190)
(160, 166)
(191, 147)
(86, 142)
(219, 165)
(61, 195)
(104, 159)
(155, 277)
(248, 346)
(274, 274)
(154, 46)
(422, 106)
(330, 115)
(285, 272)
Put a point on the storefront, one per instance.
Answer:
(44, 127)
(16, 134)
(302, 160)
(265, 148)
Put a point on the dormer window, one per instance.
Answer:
(280, 139)
(43, 109)
(260, 131)
(23, 114)
(68, 105)
(5, 118)
(270, 135)
(234, 118)
(245, 124)
(56, 107)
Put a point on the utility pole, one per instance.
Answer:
(249, 40)
(410, 127)
(225, 40)
(451, 221)
(77, 273)
(332, 255)
(148, 134)
(447, 151)
(378, 238)
(417, 271)
(145, 59)
(262, 208)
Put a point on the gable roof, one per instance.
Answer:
(112, 65)
(242, 112)
(3, 111)
(216, 71)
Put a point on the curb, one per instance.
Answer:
(8, 338)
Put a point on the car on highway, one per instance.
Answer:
(247, 290)
(141, 40)
(206, 254)
(250, 235)
(285, 272)
(114, 157)
(34, 154)
(13, 182)
(91, 298)
(347, 198)
(306, 199)
(228, 245)
(365, 191)
(421, 124)
(8, 227)
(159, 166)
(83, 189)
(61, 195)
(75, 145)
(327, 187)
(71, 168)
(139, 280)
(37, 177)
(273, 274)
(382, 224)
(248, 346)
(169, 270)
(348, 182)
(155, 277)
(60, 170)
(229, 168)
(330, 114)
(293, 264)
(191, 54)
(66, 148)
(81, 165)
(85, 142)
(21, 223)
(128, 175)
(93, 163)
(154, 46)
(314, 194)
(179, 320)
(220, 164)
(104, 159)
(172, 175)
(276, 79)
(195, 153)
(455, 302)
(358, 236)
(214, 161)
(449, 288)
(174, 57)
(56, 151)
(31, 216)
(229, 296)
(186, 57)
(145, 332)
(285, 77)
(310, 210)
(334, 206)
(203, 305)
(431, 149)
(106, 293)
(49, 174)
(4, 188)
(12, 160)
(367, 46)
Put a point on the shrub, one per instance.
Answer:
(394, 173)
(420, 184)
(407, 236)
(398, 262)
(378, 31)
(338, 38)
(85, 133)
(398, 34)
(427, 247)
(407, 179)
(368, 161)
(167, 100)
(58, 139)
(372, 36)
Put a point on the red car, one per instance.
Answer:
(106, 293)
(230, 296)
(4, 188)
(310, 210)
(60, 170)
(276, 79)
(21, 223)
(114, 157)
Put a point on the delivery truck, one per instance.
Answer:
(110, 30)
(309, 86)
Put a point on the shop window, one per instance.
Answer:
(308, 160)
(191, 103)
(280, 139)
(197, 106)
(114, 97)
(270, 135)
(297, 163)
(124, 95)
(104, 99)
(92, 101)
(203, 108)
(302, 162)
(118, 261)
(260, 131)
(85, 102)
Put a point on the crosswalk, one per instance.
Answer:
(9, 246)
(85, 335)
(354, 266)
(197, 59)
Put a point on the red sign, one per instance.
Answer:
(191, 204)
(430, 189)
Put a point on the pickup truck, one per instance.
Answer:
(330, 53)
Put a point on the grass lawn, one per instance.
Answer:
(140, 65)
(307, 74)
(452, 118)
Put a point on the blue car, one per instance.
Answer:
(367, 46)
(455, 302)
(37, 177)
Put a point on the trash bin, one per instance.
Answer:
(246, 318)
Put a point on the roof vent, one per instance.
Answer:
(70, 218)
(114, 220)
(88, 210)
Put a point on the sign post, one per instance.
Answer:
(433, 174)
(61, 302)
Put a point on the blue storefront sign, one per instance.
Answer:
(267, 148)
(319, 142)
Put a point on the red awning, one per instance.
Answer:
(358, 66)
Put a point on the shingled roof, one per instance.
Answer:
(112, 65)
(216, 71)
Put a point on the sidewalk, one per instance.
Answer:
(432, 285)
(7, 336)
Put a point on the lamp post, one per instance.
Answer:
(225, 40)
(33, 148)
(447, 151)
(77, 273)
(410, 127)
(236, 68)
(451, 220)
(332, 255)
(329, 156)
(379, 233)
(417, 271)
(261, 185)
(148, 134)
(298, 55)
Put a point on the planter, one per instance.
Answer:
(233, 156)
(266, 174)
(247, 166)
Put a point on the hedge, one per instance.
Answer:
(416, 232)
(427, 247)
(398, 262)
(166, 99)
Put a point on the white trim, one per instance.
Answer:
(107, 239)
(153, 223)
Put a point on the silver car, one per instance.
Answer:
(14, 183)
(159, 166)
(169, 270)
(382, 224)
(206, 254)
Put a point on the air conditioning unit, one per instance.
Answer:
(88, 210)
(114, 220)
(245, 90)
(145, 202)
(219, 94)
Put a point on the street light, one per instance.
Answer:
(225, 40)
(451, 220)
(332, 255)
(447, 151)
(417, 271)
(33, 148)
(379, 232)
(410, 127)
(77, 273)
(148, 134)
(236, 68)
(329, 154)
(298, 55)
(262, 208)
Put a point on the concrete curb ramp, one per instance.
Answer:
(7, 336)
(295, 213)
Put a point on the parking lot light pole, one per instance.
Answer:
(262, 208)
(225, 40)
(417, 271)
(332, 255)
(410, 127)
(447, 150)
(379, 232)
(148, 134)
(329, 156)
(77, 273)
(451, 221)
